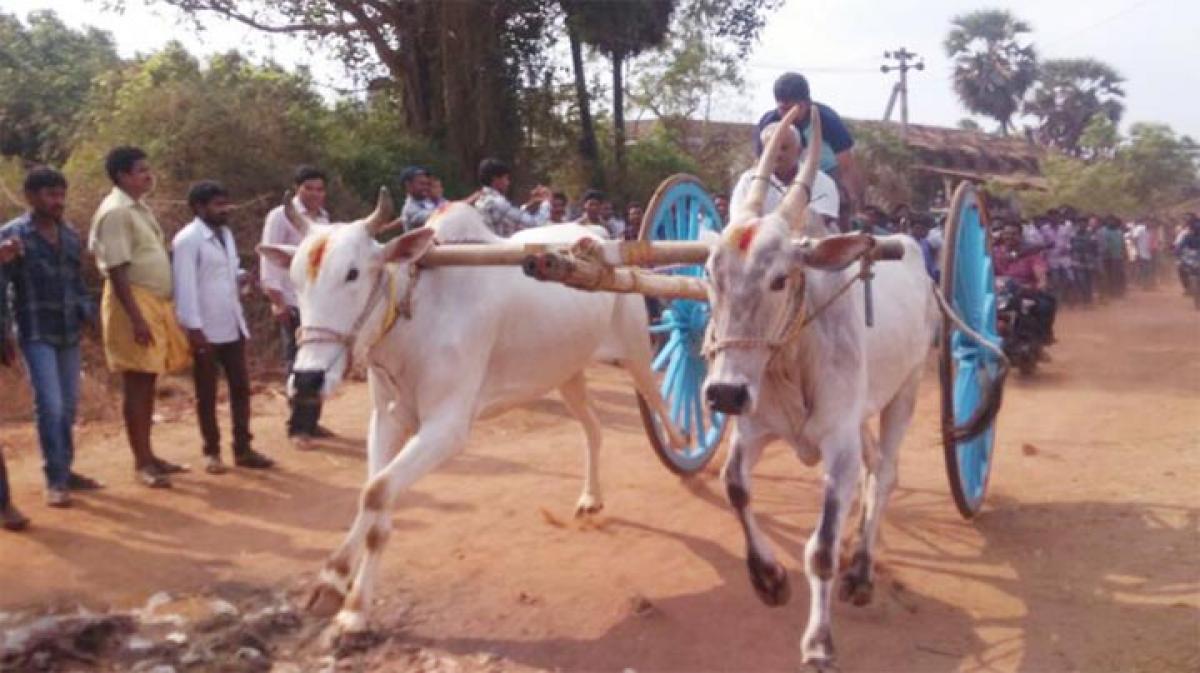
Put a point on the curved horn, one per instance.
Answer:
(753, 205)
(384, 209)
(299, 220)
(795, 202)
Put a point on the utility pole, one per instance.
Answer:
(902, 57)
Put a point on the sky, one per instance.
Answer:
(837, 44)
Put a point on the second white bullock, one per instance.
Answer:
(444, 347)
(791, 355)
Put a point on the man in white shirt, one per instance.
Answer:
(824, 201)
(206, 275)
(303, 424)
(1139, 238)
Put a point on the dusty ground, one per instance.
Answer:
(1087, 557)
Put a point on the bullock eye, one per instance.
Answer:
(778, 283)
(352, 276)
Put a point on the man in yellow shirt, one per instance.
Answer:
(141, 336)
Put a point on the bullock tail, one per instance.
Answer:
(993, 394)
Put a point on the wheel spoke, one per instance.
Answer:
(664, 355)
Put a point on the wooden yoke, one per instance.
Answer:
(592, 275)
(611, 253)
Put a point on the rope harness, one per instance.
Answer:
(382, 290)
(789, 327)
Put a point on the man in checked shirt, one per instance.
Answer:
(495, 178)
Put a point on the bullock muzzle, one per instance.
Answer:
(727, 398)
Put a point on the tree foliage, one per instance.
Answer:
(1147, 172)
(993, 67)
(456, 66)
(46, 70)
(885, 161)
(1068, 94)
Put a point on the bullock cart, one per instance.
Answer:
(666, 264)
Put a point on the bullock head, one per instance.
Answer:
(757, 273)
(347, 286)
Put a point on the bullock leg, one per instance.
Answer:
(575, 395)
(630, 327)
(385, 434)
(858, 580)
(842, 452)
(768, 575)
(439, 438)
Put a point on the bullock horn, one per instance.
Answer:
(299, 220)
(753, 205)
(795, 202)
(384, 209)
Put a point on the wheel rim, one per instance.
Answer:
(683, 208)
(974, 299)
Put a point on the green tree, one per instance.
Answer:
(1099, 138)
(456, 65)
(993, 68)
(620, 34)
(46, 70)
(247, 125)
(1068, 94)
(885, 161)
(1159, 164)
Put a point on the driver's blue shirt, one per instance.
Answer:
(835, 137)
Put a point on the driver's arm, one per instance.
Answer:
(852, 178)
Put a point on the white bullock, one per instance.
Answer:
(444, 347)
(791, 355)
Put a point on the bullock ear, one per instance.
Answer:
(834, 253)
(409, 247)
(279, 254)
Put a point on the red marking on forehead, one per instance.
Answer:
(316, 255)
(746, 237)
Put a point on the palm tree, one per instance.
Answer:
(1068, 94)
(992, 68)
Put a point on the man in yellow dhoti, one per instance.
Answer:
(141, 336)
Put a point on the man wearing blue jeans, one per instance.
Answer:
(51, 307)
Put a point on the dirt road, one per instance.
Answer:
(1086, 559)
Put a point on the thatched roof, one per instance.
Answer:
(968, 155)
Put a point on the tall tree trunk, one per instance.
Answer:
(618, 62)
(473, 69)
(587, 142)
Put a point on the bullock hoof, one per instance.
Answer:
(770, 581)
(587, 506)
(325, 601)
(817, 650)
(857, 587)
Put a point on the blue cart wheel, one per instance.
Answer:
(680, 208)
(968, 282)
